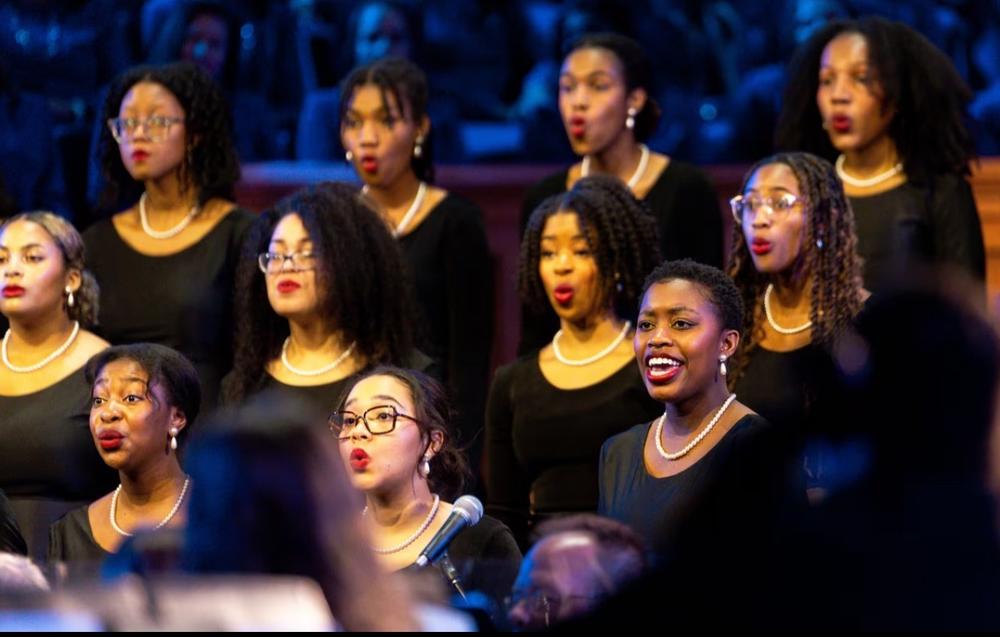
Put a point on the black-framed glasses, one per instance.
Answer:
(156, 127)
(746, 208)
(378, 420)
(273, 262)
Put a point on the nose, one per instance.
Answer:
(564, 262)
(109, 412)
(840, 92)
(660, 336)
(360, 431)
(760, 218)
(369, 134)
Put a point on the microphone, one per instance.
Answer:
(467, 511)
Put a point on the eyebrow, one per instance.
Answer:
(24, 247)
(551, 237)
(588, 75)
(380, 397)
(676, 309)
(284, 244)
(782, 188)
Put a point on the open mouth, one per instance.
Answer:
(577, 127)
(359, 459)
(563, 294)
(369, 164)
(110, 440)
(840, 123)
(761, 246)
(13, 291)
(662, 369)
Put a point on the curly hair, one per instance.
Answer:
(210, 166)
(719, 288)
(70, 244)
(620, 231)
(637, 70)
(360, 272)
(407, 85)
(919, 82)
(834, 270)
(449, 467)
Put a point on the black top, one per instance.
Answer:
(48, 461)
(542, 442)
(742, 474)
(72, 540)
(487, 559)
(686, 208)
(182, 300)
(11, 540)
(449, 261)
(911, 224)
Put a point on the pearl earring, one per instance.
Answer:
(418, 148)
(722, 365)
(425, 467)
(173, 438)
(819, 243)
(349, 156)
(630, 120)
(70, 301)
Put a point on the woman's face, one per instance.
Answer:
(157, 147)
(851, 99)
(206, 44)
(33, 275)
(568, 269)
(380, 135)
(383, 462)
(678, 341)
(382, 32)
(593, 99)
(291, 283)
(773, 226)
(130, 419)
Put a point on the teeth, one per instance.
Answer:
(661, 360)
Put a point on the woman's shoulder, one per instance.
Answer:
(489, 538)
(99, 232)
(625, 442)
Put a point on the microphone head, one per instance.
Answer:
(470, 508)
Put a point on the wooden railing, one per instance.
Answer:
(498, 190)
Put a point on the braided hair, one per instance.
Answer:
(834, 269)
(620, 232)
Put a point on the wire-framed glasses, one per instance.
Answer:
(274, 262)
(156, 127)
(378, 420)
(745, 208)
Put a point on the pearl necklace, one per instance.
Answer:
(313, 372)
(865, 183)
(690, 445)
(640, 170)
(173, 511)
(418, 201)
(413, 538)
(770, 319)
(45, 361)
(579, 362)
(164, 234)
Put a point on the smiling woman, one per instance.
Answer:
(144, 397)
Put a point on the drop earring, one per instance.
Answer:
(70, 301)
(630, 120)
(418, 147)
(349, 156)
(425, 467)
(722, 365)
(173, 438)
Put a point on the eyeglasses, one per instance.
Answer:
(777, 207)
(272, 262)
(378, 420)
(156, 127)
(539, 605)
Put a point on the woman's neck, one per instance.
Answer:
(792, 289)
(598, 329)
(399, 194)
(152, 484)
(402, 508)
(166, 198)
(689, 414)
(45, 332)
(873, 159)
(314, 335)
(619, 158)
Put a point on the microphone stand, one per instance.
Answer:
(451, 573)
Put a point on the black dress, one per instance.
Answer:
(11, 540)
(182, 300)
(910, 224)
(48, 461)
(543, 443)
(744, 477)
(686, 208)
(486, 558)
(449, 261)
(71, 539)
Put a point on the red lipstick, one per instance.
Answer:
(563, 294)
(577, 127)
(840, 123)
(369, 165)
(139, 155)
(110, 440)
(761, 246)
(12, 291)
(359, 459)
(287, 286)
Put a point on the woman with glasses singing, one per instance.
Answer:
(795, 262)
(396, 439)
(608, 112)
(385, 128)
(166, 263)
(320, 297)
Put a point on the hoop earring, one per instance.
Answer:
(70, 301)
(630, 120)
(349, 156)
(173, 438)
(722, 365)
